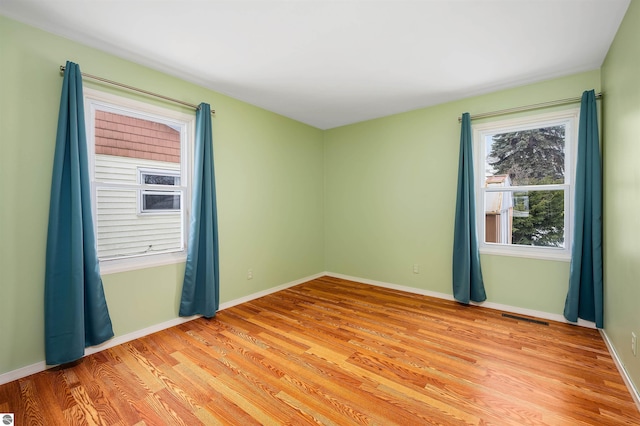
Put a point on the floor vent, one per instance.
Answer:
(516, 317)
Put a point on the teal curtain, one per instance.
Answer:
(467, 273)
(200, 289)
(584, 298)
(76, 314)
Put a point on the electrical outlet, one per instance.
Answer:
(416, 268)
(250, 274)
(634, 344)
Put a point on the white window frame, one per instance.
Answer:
(158, 190)
(98, 100)
(569, 118)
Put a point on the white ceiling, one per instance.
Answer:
(329, 63)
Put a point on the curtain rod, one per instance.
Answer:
(528, 107)
(135, 89)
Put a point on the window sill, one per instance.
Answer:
(141, 262)
(558, 255)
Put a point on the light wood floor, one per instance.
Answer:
(337, 352)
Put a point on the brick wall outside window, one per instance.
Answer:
(125, 136)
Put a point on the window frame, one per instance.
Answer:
(99, 100)
(568, 117)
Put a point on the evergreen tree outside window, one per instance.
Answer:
(525, 173)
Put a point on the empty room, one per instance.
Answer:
(319, 212)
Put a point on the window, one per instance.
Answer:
(139, 167)
(524, 192)
(155, 199)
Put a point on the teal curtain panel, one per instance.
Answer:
(467, 273)
(584, 297)
(76, 314)
(200, 289)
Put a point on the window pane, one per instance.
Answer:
(124, 232)
(139, 179)
(161, 179)
(152, 201)
(124, 143)
(532, 218)
(527, 157)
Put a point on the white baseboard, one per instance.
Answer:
(522, 311)
(271, 290)
(635, 394)
(490, 305)
(22, 372)
(42, 366)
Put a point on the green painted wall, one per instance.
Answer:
(269, 177)
(390, 193)
(367, 200)
(621, 153)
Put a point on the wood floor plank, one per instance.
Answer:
(29, 408)
(338, 352)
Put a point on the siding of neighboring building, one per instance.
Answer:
(498, 211)
(123, 146)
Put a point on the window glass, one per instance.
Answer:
(160, 179)
(139, 180)
(159, 200)
(524, 186)
(530, 157)
(531, 218)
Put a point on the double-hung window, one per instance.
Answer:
(156, 197)
(140, 159)
(524, 185)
